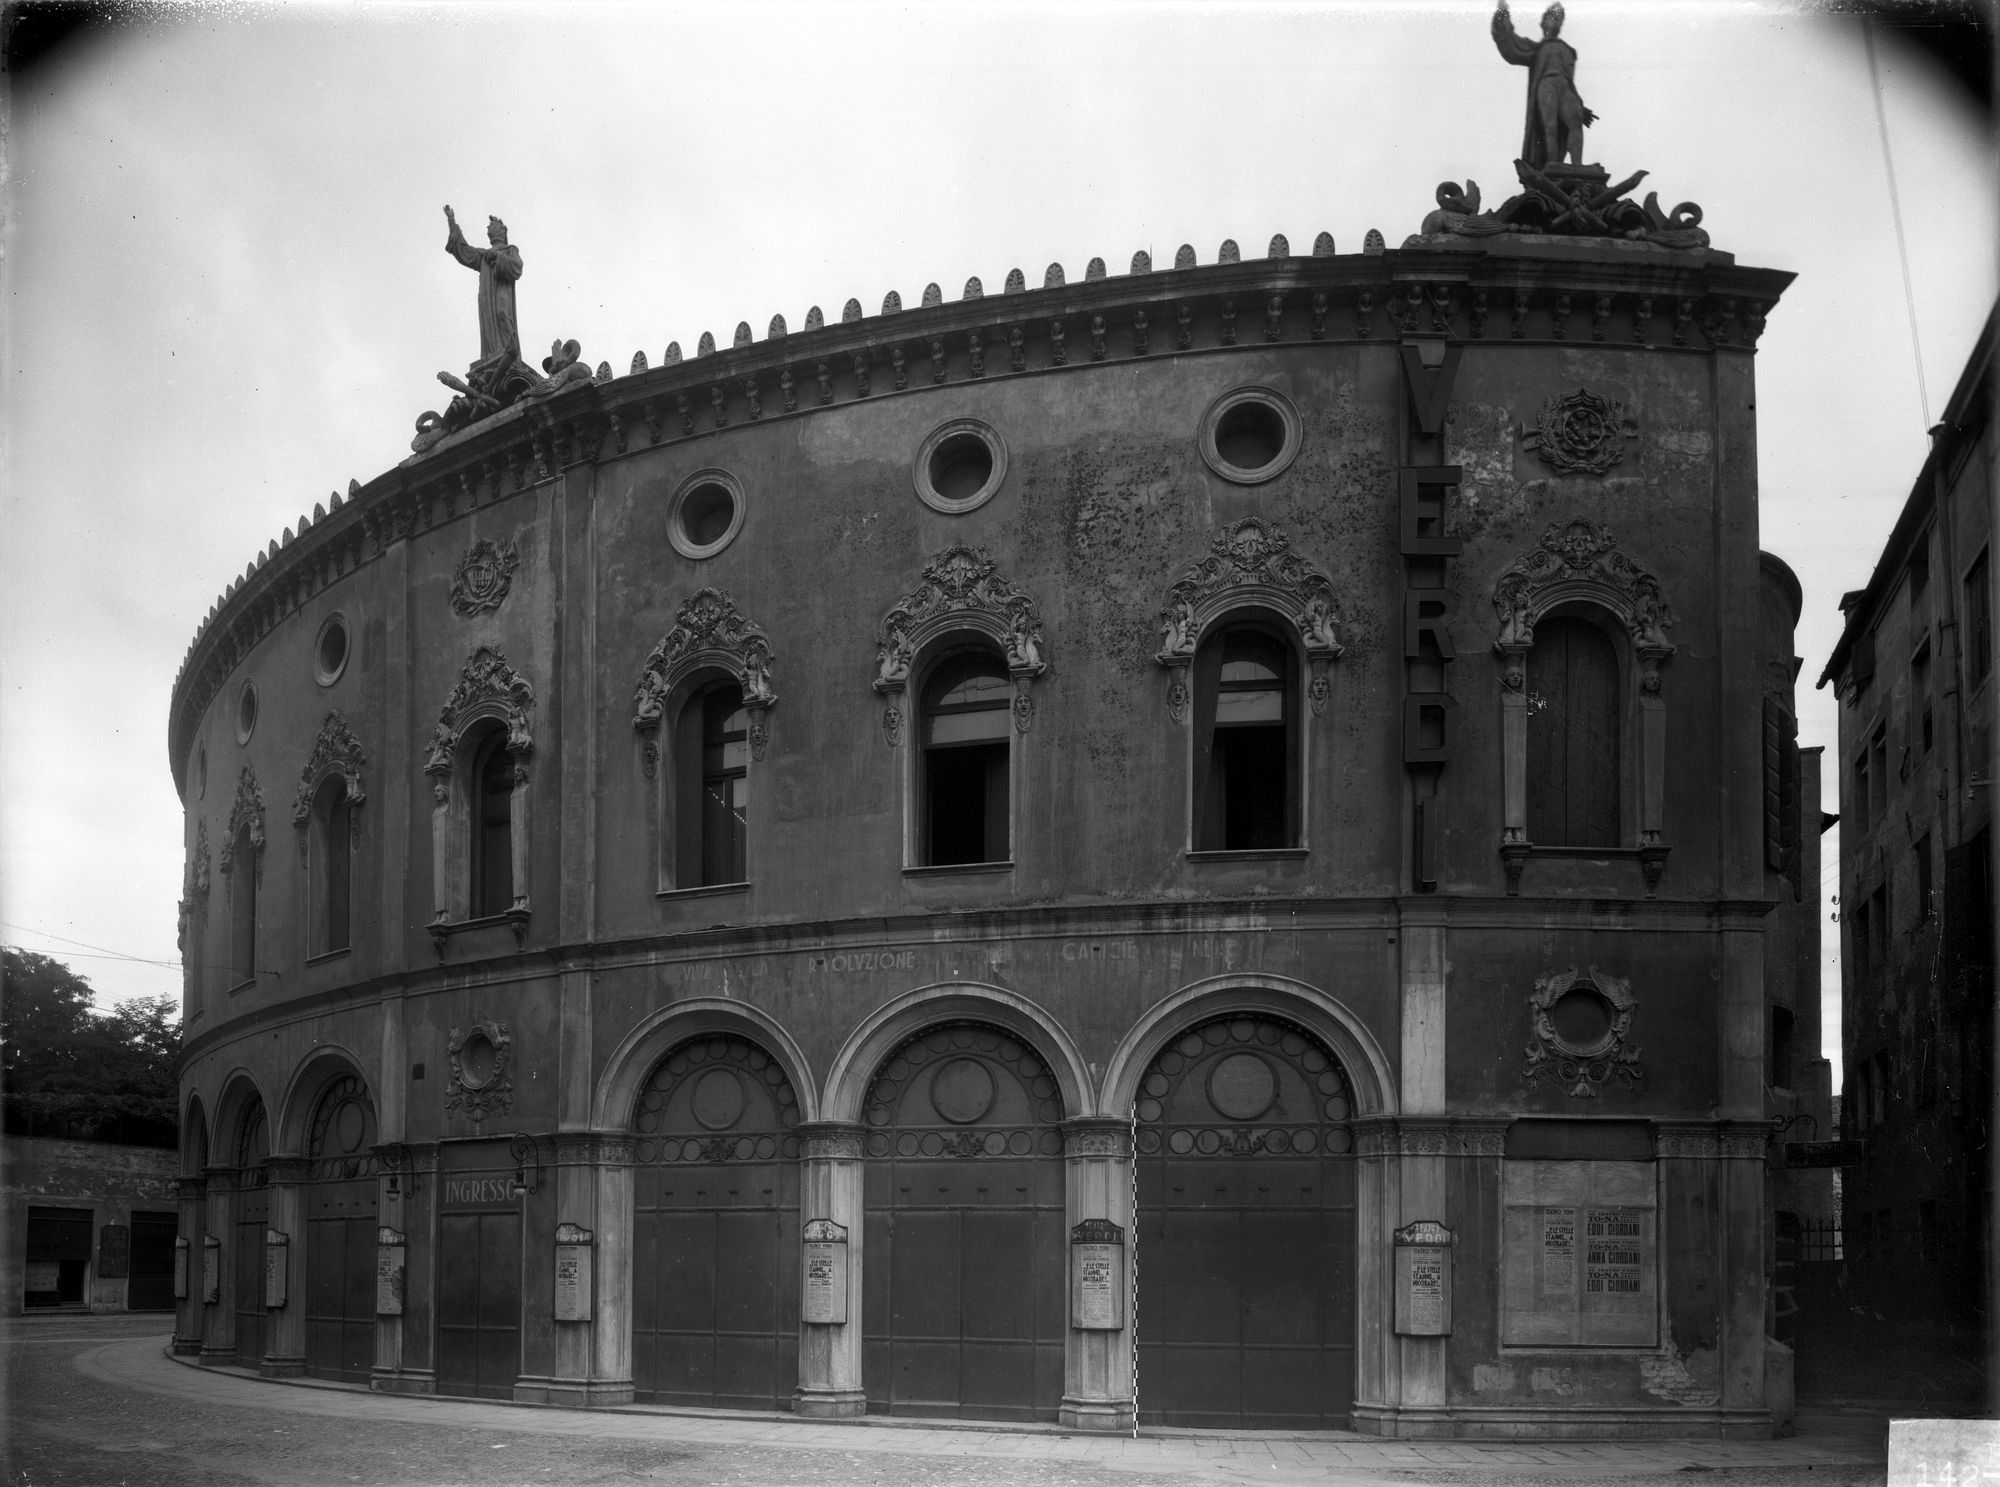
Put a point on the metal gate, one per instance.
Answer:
(964, 1275)
(151, 1286)
(340, 1234)
(715, 1244)
(252, 1216)
(478, 1278)
(1246, 1231)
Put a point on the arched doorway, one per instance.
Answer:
(252, 1219)
(963, 1311)
(1246, 1230)
(340, 1233)
(715, 1229)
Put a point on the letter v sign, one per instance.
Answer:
(1430, 387)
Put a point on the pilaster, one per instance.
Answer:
(406, 1204)
(218, 1317)
(830, 1174)
(1097, 1364)
(285, 1326)
(191, 1194)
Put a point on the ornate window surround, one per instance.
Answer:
(1578, 564)
(336, 753)
(962, 596)
(246, 815)
(1250, 570)
(488, 690)
(710, 638)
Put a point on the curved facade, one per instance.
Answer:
(1191, 843)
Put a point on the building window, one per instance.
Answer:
(1574, 776)
(243, 910)
(967, 727)
(1978, 622)
(705, 513)
(1920, 574)
(329, 857)
(1926, 909)
(1861, 786)
(1878, 774)
(1859, 942)
(1920, 697)
(1781, 1047)
(1878, 925)
(1246, 742)
(1878, 1090)
(492, 825)
(712, 756)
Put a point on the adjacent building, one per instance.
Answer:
(1914, 672)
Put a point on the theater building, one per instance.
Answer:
(1188, 845)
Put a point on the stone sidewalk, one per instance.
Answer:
(1825, 1441)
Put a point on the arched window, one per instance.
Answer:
(712, 759)
(1573, 777)
(328, 870)
(1246, 774)
(966, 728)
(492, 825)
(243, 910)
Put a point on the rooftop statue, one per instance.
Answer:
(499, 378)
(499, 265)
(1556, 114)
(1560, 195)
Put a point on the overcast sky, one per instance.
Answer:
(227, 292)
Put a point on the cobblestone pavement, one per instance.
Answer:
(94, 1402)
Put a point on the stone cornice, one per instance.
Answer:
(1506, 291)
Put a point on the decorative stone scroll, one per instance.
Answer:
(1249, 564)
(481, 1084)
(1579, 433)
(487, 688)
(961, 590)
(246, 810)
(709, 631)
(1583, 1042)
(483, 577)
(335, 751)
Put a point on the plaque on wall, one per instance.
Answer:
(573, 1273)
(181, 1248)
(211, 1269)
(114, 1252)
(277, 1256)
(1423, 1279)
(825, 1284)
(1580, 1248)
(1097, 1276)
(390, 1252)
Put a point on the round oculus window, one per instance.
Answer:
(705, 513)
(246, 712)
(1583, 1019)
(201, 771)
(1250, 435)
(330, 650)
(962, 1090)
(959, 466)
(478, 1060)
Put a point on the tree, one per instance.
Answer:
(66, 1070)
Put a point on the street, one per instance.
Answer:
(93, 1402)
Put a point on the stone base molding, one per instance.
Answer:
(829, 1404)
(1102, 1415)
(403, 1381)
(576, 1394)
(1472, 1422)
(186, 1347)
(290, 1367)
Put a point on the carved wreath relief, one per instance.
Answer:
(1580, 433)
(1251, 562)
(484, 575)
(962, 588)
(1580, 1028)
(481, 1083)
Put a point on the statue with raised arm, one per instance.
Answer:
(1556, 115)
(499, 265)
